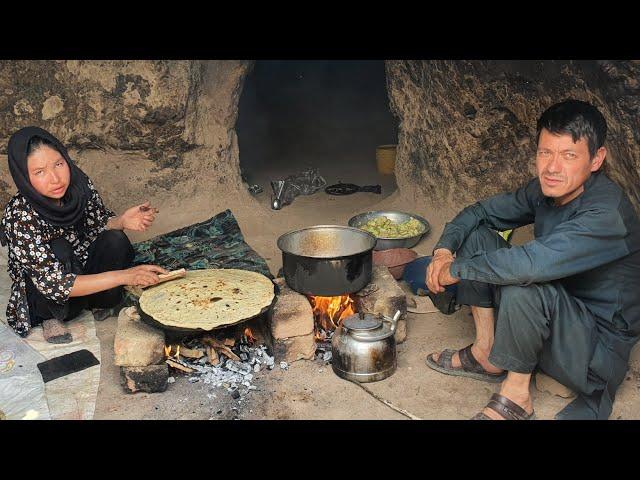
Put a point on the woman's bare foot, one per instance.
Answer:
(54, 331)
(482, 356)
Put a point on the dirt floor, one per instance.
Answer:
(310, 389)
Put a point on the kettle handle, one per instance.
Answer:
(394, 321)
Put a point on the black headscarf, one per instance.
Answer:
(75, 198)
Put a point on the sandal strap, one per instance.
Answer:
(469, 362)
(445, 360)
(506, 408)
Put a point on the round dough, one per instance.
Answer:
(208, 299)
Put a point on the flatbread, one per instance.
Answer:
(208, 299)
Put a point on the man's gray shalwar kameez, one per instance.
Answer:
(568, 301)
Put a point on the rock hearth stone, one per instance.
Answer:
(151, 379)
(137, 344)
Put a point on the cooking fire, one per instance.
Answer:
(329, 312)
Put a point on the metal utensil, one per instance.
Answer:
(385, 243)
(364, 347)
(327, 260)
(351, 188)
(276, 199)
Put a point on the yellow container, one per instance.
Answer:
(386, 159)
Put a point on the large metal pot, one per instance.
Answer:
(327, 260)
(363, 348)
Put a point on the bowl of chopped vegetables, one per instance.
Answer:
(392, 229)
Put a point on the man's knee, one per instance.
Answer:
(524, 304)
(481, 239)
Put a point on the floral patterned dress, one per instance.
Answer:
(28, 236)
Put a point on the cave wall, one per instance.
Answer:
(467, 128)
(158, 130)
(165, 130)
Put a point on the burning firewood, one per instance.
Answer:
(213, 356)
(179, 366)
(190, 353)
(220, 348)
(229, 342)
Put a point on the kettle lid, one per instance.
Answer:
(362, 322)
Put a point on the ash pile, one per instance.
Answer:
(323, 345)
(227, 364)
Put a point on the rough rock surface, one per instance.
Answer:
(295, 348)
(385, 296)
(467, 128)
(292, 315)
(149, 379)
(145, 129)
(137, 344)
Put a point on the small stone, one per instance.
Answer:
(171, 380)
(284, 365)
(321, 370)
(235, 394)
(256, 367)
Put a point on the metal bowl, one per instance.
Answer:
(383, 243)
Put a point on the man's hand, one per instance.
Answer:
(142, 275)
(438, 275)
(139, 217)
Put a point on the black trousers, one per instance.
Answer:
(111, 250)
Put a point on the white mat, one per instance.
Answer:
(70, 397)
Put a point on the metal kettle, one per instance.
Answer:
(364, 347)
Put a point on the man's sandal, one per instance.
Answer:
(505, 408)
(470, 367)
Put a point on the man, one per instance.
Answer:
(566, 302)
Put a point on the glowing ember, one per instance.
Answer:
(249, 334)
(329, 312)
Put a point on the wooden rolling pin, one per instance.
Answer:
(165, 277)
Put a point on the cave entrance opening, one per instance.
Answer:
(296, 115)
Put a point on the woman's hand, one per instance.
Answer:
(142, 275)
(138, 218)
(438, 275)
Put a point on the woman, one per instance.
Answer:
(67, 251)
